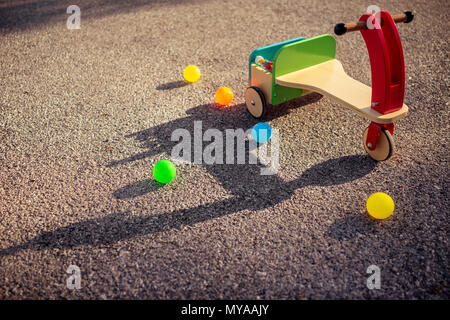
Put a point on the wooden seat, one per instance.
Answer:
(330, 79)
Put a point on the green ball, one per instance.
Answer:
(164, 171)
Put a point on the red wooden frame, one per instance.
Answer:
(374, 132)
(387, 63)
(388, 70)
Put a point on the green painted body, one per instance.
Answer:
(268, 52)
(294, 55)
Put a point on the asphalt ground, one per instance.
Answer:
(85, 114)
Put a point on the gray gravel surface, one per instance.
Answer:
(85, 114)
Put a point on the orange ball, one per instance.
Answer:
(224, 96)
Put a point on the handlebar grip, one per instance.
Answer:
(343, 28)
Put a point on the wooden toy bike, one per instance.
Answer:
(291, 69)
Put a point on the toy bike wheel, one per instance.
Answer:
(255, 101)
(384, 148)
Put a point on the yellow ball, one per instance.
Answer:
(380, 205)
(191, 73)
(224, 96)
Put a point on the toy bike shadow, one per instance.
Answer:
(157, 140)
(249, 189)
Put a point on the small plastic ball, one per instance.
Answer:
(380, 205)
(224, 96)
(262, 132)
(164, 171)
(191, 73)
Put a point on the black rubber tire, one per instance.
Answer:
(385, 141)
(255, 92)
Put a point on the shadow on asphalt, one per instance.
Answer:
(172, 85)
(250, 189)
(28, 14)
(120, 226)
(137, 189)
(350, 226)
(157, 140)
